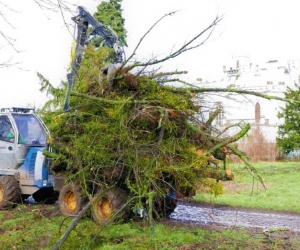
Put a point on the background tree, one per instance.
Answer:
(288, 132)
(110, 13)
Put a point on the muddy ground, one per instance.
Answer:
(272, 238)
(267, 240)
(271, 225)
(277, 228)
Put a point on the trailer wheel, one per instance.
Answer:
(109, 203)
(70, 200)
(10, 192)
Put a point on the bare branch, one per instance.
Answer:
(186, 47)
(151, 28)
(10, 41)
(60, 5)
(9, 63)
(168, 74)
(63, 7)
(230, 139)
(52, 6)
(227, 90)
(74, 223)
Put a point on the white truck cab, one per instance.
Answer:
(23, 137)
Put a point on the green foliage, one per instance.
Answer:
(134, 128)
(110, 13)
(288, 132)
(58, 93)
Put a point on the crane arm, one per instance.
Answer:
(110, 39)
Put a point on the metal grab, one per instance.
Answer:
(83, 20)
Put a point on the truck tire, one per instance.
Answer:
(10, 192)
(109, 203)
(70, 199)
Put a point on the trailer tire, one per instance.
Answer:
(109, 204)
(10, 192)
(70, 199)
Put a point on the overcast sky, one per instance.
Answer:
(263, 30)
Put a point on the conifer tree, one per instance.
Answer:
(288, 132)
(110, 13)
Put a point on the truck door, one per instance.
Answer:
(7, 143)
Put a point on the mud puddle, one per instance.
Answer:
(235, 217)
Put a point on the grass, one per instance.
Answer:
(281, 180)
(41, 232)
(41, 226)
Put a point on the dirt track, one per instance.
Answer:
(236, 217)
(274, 225)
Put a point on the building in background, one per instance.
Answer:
(270, 78)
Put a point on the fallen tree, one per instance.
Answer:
(133, 137)
(135, 133)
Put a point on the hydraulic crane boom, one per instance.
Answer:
(110, 39)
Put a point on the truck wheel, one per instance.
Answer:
(10, 191)
(107, 204)
(70, 200)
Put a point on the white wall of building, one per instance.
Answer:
(270, 78)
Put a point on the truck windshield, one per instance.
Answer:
(31, 131)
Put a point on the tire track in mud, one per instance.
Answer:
(228, 216)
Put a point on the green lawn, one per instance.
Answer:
(282, 182)
(40, 227)
(30, 227)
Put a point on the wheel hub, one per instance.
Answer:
(1, 193)
(70, 201)
(104, 209)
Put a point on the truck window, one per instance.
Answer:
(31, 131)
(6, 130)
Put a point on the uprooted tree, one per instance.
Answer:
(135, 133)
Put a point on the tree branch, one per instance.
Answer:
(139, 43)
(184, 48)
(226, 90)
(65, 236)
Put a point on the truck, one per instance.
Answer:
(23, 171)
